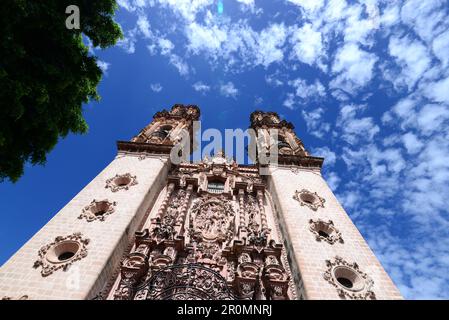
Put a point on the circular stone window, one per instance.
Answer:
(63, 251)
(348, 278)
(100, 208)
(325, 230)
(350, 282)
(309, 199)
(323, 234)
(121, 182)
(97, 210)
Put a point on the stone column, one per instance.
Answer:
(164, 204)
(242, 222)
(185, 203)
(263, 216)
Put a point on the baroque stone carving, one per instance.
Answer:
(97, 210)
(61, 253)
(121, 182)
(309, 199)
(349, 280)
(163, 230)
(212, 219)
(325, 231)
(187, 282)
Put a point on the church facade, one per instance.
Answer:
(147, 228)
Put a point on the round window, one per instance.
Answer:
(63, 251)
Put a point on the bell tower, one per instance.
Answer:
(276, 135)
(329, 257)
(80, 249)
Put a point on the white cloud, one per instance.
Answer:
(187, 9)
(270, 42)
(308, 46)
(333, 180)
(327, 154)
(205, 38)
(412, 57)
(438, 91)
(411, 143)
(165, 45)
(128, 43)
(144, 26)
(355, 129)
(306, 91)
(440, 47)
(228, 90)
(431, 118)
(390, 16)
(179, 64)
(308, 5)
(103, 65)
(273, 80)
(316, 125)
(354, 68)
(247, 4)
(237, 42)
(358, 29)
(289, 102)
(201, 87)
(156, 87)
(427, 18)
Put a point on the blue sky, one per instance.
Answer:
(366, 84)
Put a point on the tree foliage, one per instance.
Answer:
(46, 74)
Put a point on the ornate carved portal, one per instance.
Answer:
(185, 282)
(207, 243)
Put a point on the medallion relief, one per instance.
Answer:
(121, 182)
(309, 199)
(61, 253)
(98, 210)
(325, 231)
(349, 281)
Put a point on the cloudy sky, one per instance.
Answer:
(366, 84)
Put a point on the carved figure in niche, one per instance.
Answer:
(253, 214)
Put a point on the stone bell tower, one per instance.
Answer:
(329, 257)
(76, 253)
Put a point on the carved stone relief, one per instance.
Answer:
(309, 199)
(349, 280)
(121, 182)
(325, 231)
(98, 210)
(61, 253)
(212, 219)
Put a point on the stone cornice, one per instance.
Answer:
(301, 161)
(139, 147)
